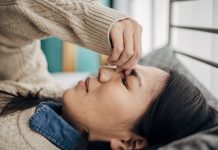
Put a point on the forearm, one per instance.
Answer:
(85, 22)
(22, 22)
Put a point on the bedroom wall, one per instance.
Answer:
(160, 18)
(201, 13)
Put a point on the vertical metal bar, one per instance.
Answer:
(169, 25)
(152, 24)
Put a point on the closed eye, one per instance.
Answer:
(124, 81)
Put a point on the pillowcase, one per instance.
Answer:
(208, 139)
(166, 58)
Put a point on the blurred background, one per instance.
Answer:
(66, 57)
(154, 16)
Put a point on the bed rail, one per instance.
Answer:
(193, 28)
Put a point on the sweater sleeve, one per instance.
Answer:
(84, 22)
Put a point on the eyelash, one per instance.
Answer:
(124, 81)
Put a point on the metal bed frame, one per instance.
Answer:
(195, 28)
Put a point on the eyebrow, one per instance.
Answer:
(136, 74)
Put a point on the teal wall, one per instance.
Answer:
(86, 60)
(52, 48)
(89, 61)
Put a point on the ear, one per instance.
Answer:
(133, 142)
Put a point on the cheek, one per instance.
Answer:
(112, 91)
(72, 94)
(72, 101)
(114, 100)
(67, 94)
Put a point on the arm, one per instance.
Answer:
(85, 22)
(23, 22)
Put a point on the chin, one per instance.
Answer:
(68, 94)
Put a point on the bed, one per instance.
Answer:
(69, 79)
(194, 64)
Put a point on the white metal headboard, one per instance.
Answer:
(210, 30)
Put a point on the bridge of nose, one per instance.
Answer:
(107, 74)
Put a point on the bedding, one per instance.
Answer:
(206, 140)
(69, 79)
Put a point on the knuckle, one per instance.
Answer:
(128, 23)
(119, 49)
(120, 62)
(117, 27)
(129, 52)
(114, 58)
(135, 23)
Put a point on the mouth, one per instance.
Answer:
(87, 84)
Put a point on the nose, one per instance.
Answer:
(106, 74)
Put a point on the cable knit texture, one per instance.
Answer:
(23, 65)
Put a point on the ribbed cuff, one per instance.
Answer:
(98, 22)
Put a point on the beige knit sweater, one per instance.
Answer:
(22, 63)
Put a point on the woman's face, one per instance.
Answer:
(112, 102)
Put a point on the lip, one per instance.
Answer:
(87, 83)
(81, 84)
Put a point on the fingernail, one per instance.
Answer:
(127, 72)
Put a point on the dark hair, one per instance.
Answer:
(178, 111)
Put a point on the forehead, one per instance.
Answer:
(152, 77)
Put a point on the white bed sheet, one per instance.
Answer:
(67, 80)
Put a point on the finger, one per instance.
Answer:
(131, 66)
(109, 62)
(117, 40)
(128, 48)
(119, 69)
(127, 72)
(137, 51)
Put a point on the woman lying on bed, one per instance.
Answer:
(146, 109)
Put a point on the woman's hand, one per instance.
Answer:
(126, 42)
